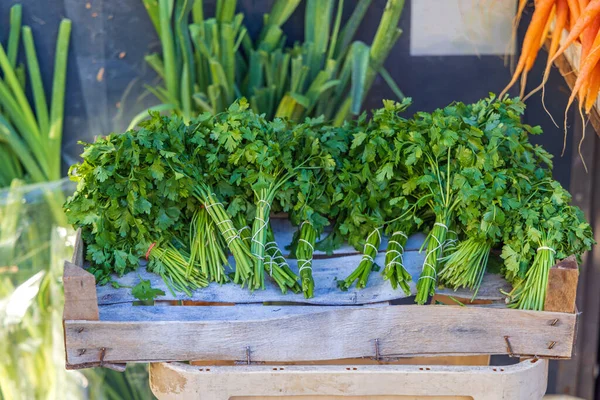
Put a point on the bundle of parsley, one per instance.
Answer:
(185, 195)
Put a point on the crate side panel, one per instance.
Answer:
(346, 333)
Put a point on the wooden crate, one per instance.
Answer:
(104, 327)
(523, 381)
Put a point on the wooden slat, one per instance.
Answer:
(562, 286)
(326, 272)
(479, 360)
(78, 256)
(80, 293)
(578, 375)
(523, 381)
(400, 330)
(250, 312)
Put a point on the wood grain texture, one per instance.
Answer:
(523, 381)
(479, 360)
(78, 249)
(81, 301)
(326, 272)
(561, 291)
(335, 334)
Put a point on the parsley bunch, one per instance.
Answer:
(184, 195)
(133, 199)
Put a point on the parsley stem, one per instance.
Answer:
(304, 255)
(365, 266)
(394, 270)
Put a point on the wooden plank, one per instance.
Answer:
(523, 381)
(400, 331)
(572, 377)
(78, 257)
(589, 326)
(249, 312)
(81, 301)
(561, 290)
(326, 273)
(479, 360)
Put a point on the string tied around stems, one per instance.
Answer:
(546, 248)
(367, 244)
(150, 250)
(401, 234)
(439, 246)
(263, 226)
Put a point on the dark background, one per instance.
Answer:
(109, 27)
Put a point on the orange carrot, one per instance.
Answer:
(588, 36)
(588, 64)
(574, 9)
(531, 41)
(584, 76)
(562, 12)
(546, 29)
(594, 87)
(585, 19)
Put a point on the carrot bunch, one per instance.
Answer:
(581, 18)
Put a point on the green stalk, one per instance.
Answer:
(58, 98)
(530, 293)
(171, 264)
(259, 235)
(226, 10)
(239, 250)
(349, 30)
(11, 89)
(37, 87)
(427, 282)
(304, 255)
(198, 12)
(394, 270)
(168, 45)
(362, 272)
(277, 267)
(207, 252)
(16, 13)
(466, 265)
(385, 38)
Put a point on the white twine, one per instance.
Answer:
(223, 222)
(308, 243)
(440, 246)
(271, 265)
(368, 258)
(306, 264)
(264, 226)
(212, 205)
(400, 233)
(278, 254)
(397, 244)
(372, 246)
(546, 248)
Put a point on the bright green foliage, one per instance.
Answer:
(467, 175)
(145, 292)
(207, 63)
(132, 191)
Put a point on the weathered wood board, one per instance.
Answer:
(326, 272)
(523, 381)
(325, 334)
